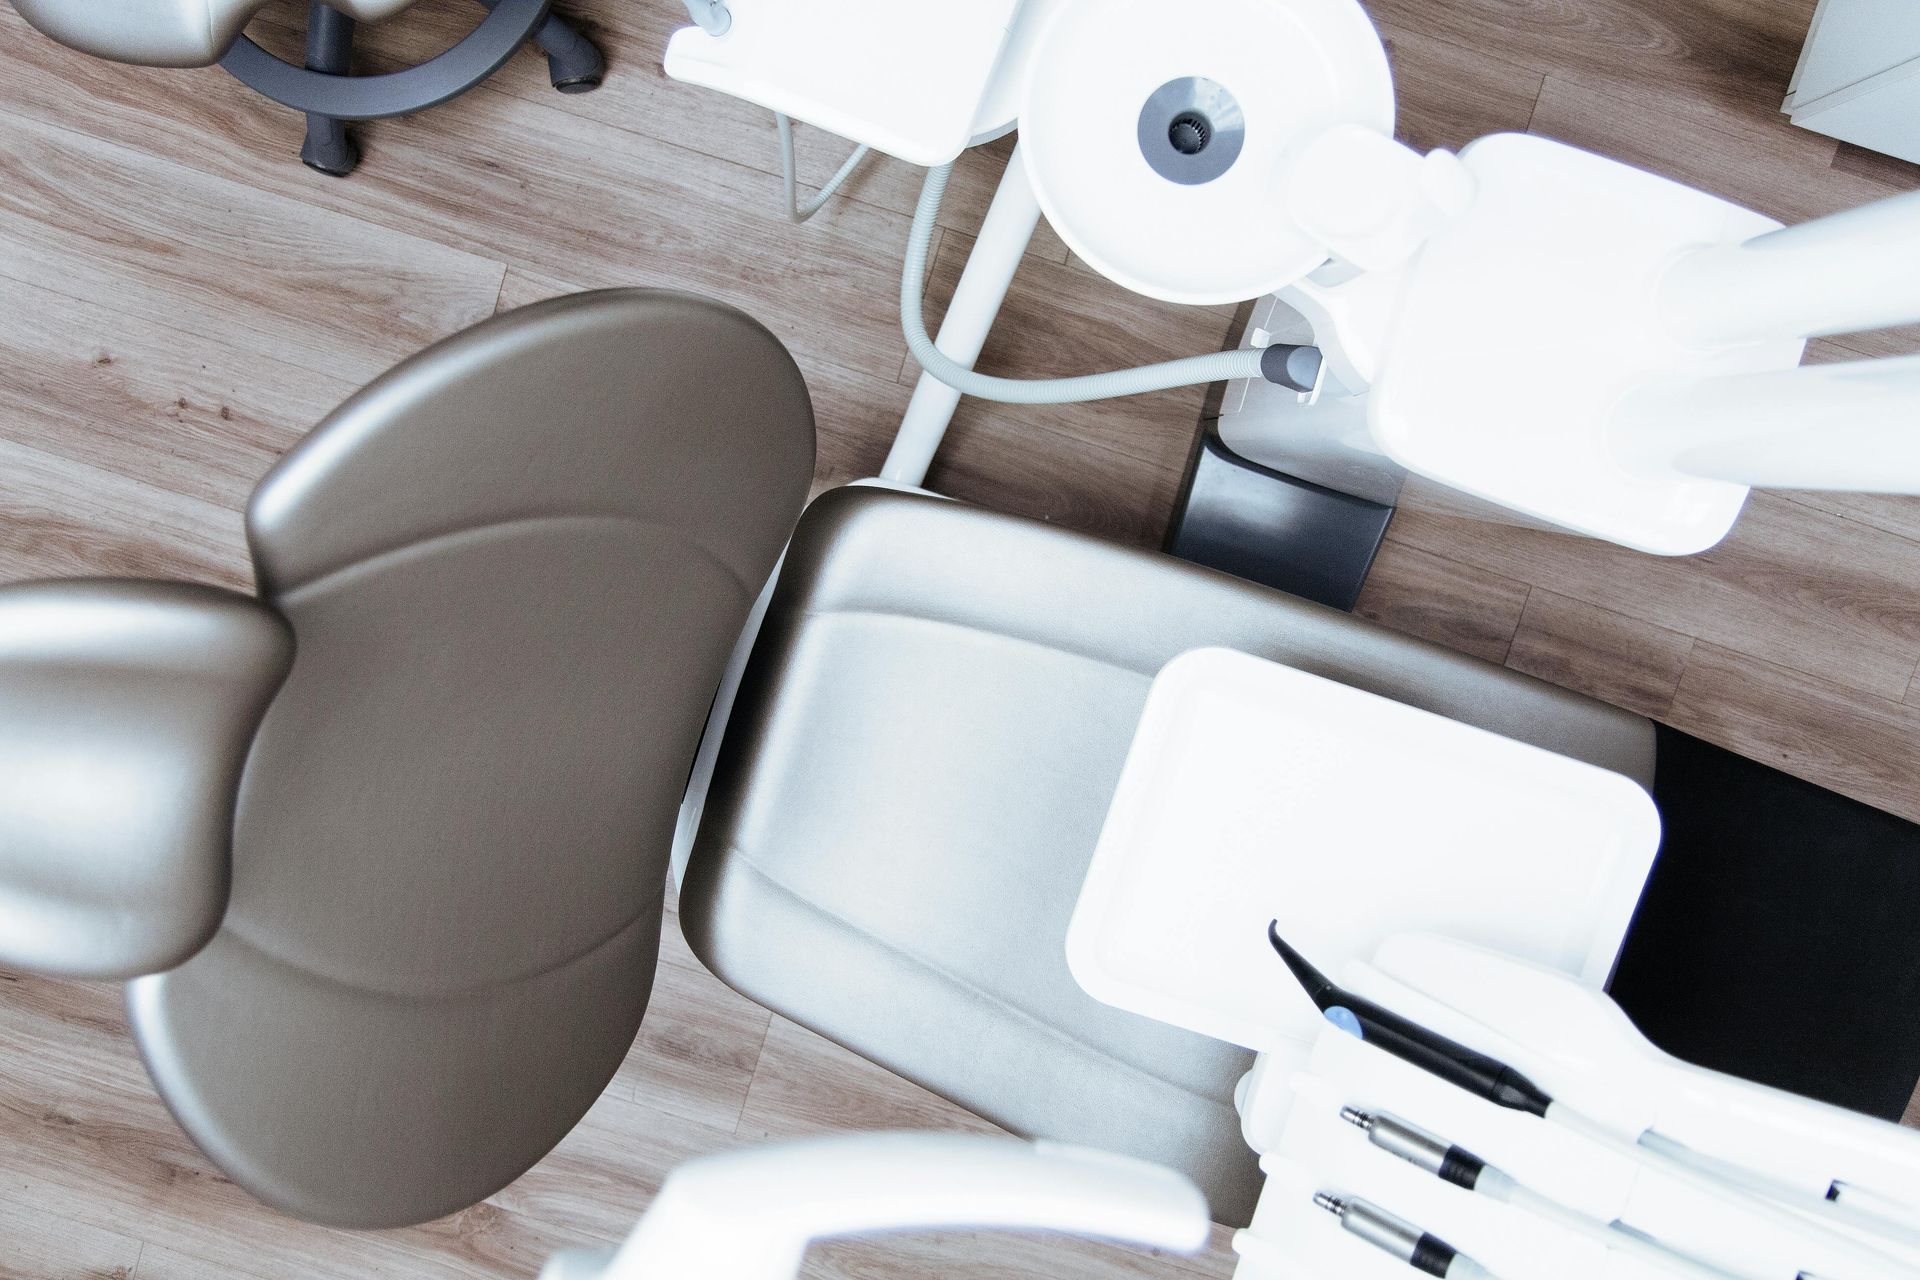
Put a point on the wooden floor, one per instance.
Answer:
(179, 299)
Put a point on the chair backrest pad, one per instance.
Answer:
(515, 567)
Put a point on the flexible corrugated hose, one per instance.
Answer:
(1218, 366)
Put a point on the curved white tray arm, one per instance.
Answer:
(749, 1215)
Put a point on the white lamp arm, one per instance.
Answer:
(1370, 200)
(749, 1215)
(1857, 269)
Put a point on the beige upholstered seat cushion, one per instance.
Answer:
(917, 770)
(165, 33)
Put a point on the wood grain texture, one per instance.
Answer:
(1449, 94)
(35, 1245)
(806, 1084)
(223, 261)
(159, 245)
(1856, 743)
(164, 1264)
(1894, 513)
(1791, 584)
(699, 1044)
(1442, 600)
(1603, 654)
(1729, 56)
(1902, 175)
(61, 518)
(639, 96)
(196, 416)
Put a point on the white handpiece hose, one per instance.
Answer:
(748, 1215)
(1859, 1260)
(1002, 240)
(1501, 1186)
(1849, 271)
(1853, 426)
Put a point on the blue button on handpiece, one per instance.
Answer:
(1342, 1017)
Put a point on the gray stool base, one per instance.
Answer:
(327, 148)
(574, 63)
(327, 92)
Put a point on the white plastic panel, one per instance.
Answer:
(1850, 40)
(1254, 792)
(1526, 320)
(906, 79)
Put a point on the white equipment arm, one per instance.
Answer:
(749, 1215)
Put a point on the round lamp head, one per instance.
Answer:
(1155, 133)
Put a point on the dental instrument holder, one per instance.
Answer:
(1573, 1041)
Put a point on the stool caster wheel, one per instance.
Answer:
(329, 149)
(576, 77)
(579, 68)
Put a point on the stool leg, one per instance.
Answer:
(574, 63)
(327, 148)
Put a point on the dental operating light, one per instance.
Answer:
(1593, 346)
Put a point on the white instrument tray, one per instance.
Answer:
(905, 78)
(1256, 792)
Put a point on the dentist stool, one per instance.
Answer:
(198, 33)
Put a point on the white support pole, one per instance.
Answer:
(1852, 426)
(1855, 270)
(1003, 240)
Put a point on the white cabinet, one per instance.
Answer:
(1859, 75)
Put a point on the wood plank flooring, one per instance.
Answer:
(180, 299)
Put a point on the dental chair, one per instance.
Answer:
(199, 33)
(383, 849)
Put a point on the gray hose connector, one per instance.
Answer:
(712, 16)
(1219, 366)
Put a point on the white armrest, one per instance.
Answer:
(749, 1215)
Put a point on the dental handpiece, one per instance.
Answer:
(1487, 1077)
(1421, 1250)
(1464, 1068)
(1418, 1147)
